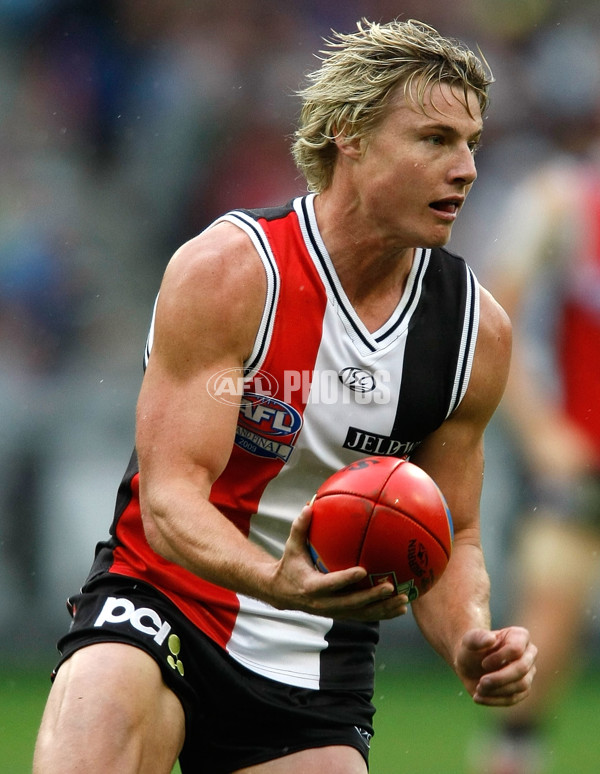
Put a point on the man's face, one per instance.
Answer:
(415, 170)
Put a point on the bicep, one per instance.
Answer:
(181, 428)
(453, 456)
(185, 425)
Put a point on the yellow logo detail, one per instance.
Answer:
(173, 660)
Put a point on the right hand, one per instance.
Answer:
(298, 585)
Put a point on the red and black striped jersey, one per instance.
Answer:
(320, 390)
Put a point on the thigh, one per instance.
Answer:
(105, 708)
(334, 760)
(234, 718)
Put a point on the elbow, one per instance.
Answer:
(154, 535)
(154, 532)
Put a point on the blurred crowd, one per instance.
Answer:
(126, 126)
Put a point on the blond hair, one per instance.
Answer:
(359, 72)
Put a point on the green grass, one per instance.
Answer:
(22, 696)
(424, 722)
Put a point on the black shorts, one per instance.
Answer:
(234, 717)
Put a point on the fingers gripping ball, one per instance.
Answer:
(386, 515)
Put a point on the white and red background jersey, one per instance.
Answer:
(579, 321)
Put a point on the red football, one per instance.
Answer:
(386, 515)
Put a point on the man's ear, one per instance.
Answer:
(349, 146)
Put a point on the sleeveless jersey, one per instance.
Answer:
(320, 391)
(580, 322)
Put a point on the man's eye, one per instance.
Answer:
(474, 147)
(435, 139)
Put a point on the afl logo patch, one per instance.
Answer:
(357, 379)
(268, 416)
(267, 427)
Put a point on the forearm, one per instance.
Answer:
(202, 540)
(457, 603)
(182, 526)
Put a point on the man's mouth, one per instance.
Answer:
(450, 206)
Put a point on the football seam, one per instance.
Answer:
(426, 529)
(361, 542)
(409, 516)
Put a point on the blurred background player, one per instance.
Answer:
(545, 271)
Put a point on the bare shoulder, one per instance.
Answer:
(492, 357)
(219, 265)
(213, 292)
(494, 321)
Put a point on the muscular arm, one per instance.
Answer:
(209, 310)
(208, 307)
(454, 457)
(454, 616)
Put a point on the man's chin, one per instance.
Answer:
(438, 240)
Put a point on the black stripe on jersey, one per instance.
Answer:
(248, 219)
(434, 348)
(331, 280)
(269, 213)
(416, 288)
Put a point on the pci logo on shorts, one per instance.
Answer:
(145, 620)
(267, 427)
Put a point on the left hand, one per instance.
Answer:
(497, 667)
